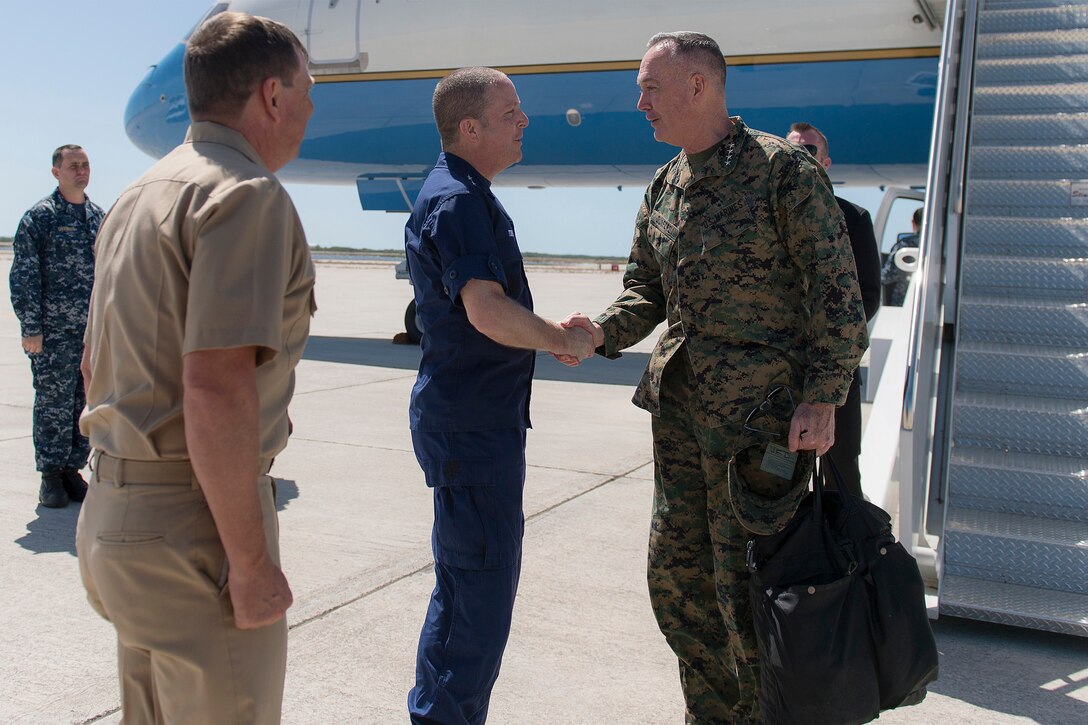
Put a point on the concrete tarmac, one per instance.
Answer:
(355, 517)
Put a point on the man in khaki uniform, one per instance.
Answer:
(741, 248)
(200, 312)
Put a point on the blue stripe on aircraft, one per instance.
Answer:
(874, 112)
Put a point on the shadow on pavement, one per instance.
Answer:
(286, 492)
(627, 370)
(362, 351)
(54, 531)
(1041, 676)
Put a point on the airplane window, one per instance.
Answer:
(215, 10)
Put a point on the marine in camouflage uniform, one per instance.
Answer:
(51, 278)
(743, 251)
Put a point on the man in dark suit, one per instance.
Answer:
(867, 261)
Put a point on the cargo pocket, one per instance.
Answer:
(473, 524)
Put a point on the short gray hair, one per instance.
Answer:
(699, 49)
(460, 95)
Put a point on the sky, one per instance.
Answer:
(68, 68)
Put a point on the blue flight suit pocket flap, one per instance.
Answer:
(459, 473)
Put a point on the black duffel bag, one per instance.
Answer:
(840, 614)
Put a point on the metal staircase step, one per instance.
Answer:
(1031, 98)
(1045, 44)
(1039, 238)
(1014, 605)
(1009, 369)
(1023, 322)
(1019, 483)
(1045, 279)
(1019, 198)
(996, 71)
(1014, 547)
(1052, 163)
(1034, 19)
(1030, 129)
(1017, 549)
(1022, 423)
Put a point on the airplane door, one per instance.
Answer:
(894, 215)
(333, 35)
(891, 221)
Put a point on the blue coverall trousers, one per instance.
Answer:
(478, 478)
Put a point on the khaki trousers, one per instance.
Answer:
(153, 565)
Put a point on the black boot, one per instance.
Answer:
(52, 494)
(74, 485)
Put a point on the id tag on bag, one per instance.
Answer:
(779, 461)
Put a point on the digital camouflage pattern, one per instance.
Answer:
(51, 278)
(58, 402)
(53, 270)
(747, 258)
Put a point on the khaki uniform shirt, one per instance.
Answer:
(204, 252)
(748, 259)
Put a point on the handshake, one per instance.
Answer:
(580, 336)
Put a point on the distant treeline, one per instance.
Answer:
(529, 255)
(356, 250)
(398, 253)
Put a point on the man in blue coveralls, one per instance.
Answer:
(470, 405)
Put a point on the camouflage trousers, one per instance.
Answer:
(58, 403)
(697, 571)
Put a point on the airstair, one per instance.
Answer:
(1000, 350)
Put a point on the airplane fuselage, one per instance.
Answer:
(864, 71)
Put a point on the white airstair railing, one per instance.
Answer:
(877, 461)
(936, 279)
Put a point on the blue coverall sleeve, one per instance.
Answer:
(465, 238)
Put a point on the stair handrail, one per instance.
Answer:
(947, 168)
(938, 247)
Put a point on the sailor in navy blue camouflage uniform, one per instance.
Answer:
(50, 280)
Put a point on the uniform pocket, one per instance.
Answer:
(477, 527)
(129, 538)
(662, 234)
(459, 473)
(735, 224)
(478, 524)
(463, 532)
